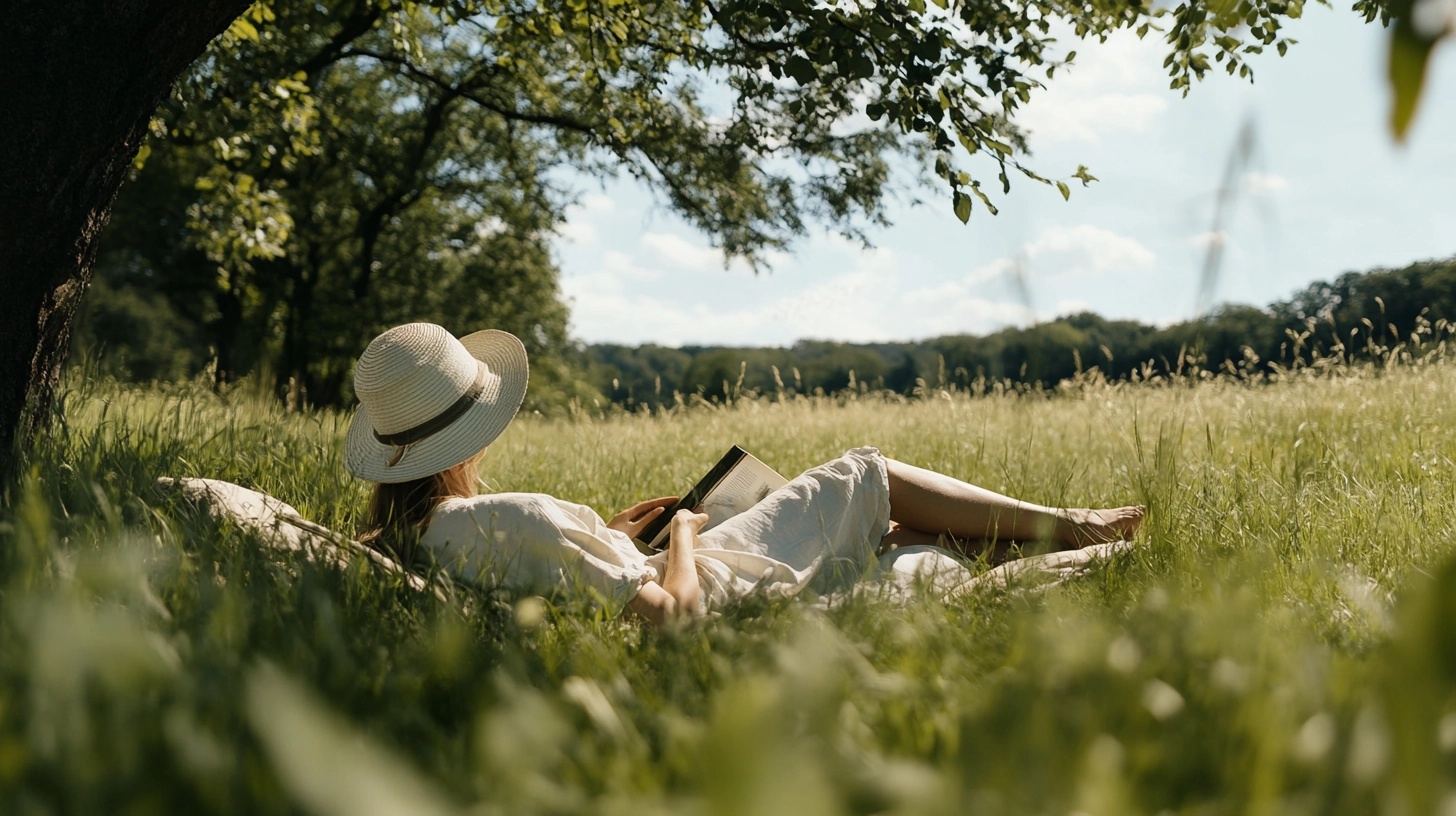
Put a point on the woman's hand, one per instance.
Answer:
(634, 518)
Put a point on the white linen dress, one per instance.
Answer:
(820, 532)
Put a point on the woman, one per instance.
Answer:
(430, 404)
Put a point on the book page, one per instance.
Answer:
(737, 482)
(744, 486)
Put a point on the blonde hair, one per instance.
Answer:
(398, 514)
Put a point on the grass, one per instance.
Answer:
(1283, 640)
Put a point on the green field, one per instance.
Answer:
(1281, 640)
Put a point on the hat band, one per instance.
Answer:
(440, 421)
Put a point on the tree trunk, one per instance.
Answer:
(79, 82)
(292, 377)
(225, 329)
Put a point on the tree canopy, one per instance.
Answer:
(308, 215)
(324, 172)
(752, 119)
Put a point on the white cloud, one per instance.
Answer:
(871, 302)
(868, 294)
(585, 219)
(628, 267)
(682, 253)
(1076, 117)
(836, 306)
(1071, 306)
(596, 202)
(867, 302)
(965, 305)
(1265, 183)
(1085, 249)
(964, 313)
(992, 270)
(1111, 88)
(988, 298)
(937, 295)
(578, 232)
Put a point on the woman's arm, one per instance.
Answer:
(677, 595)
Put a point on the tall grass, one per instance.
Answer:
(1283, 640)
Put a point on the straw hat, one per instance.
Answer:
(428, 402)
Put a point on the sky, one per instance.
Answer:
(1327, 190)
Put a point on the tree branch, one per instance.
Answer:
(337, 48)
(549, 119)
(761, 46)
(371, 226)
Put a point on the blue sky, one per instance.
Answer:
(1328, 191)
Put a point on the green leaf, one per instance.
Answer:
(1084, 175)
(1065, 190)
(323, 761)
(962, 206)
(243, 30)
(802, 70)
(1409, 54)
(985, 199)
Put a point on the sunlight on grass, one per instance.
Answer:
(1255, 653)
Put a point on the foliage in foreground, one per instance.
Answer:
(1248, 657)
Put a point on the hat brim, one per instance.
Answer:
(505, 386)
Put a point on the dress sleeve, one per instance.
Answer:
(532, 543)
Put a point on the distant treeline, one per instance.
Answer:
(135, 328)
(1357, 315)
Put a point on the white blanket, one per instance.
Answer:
(910, 571)
(904, 573)
(279, 524)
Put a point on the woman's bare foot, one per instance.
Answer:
(1082, 527)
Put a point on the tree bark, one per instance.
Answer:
(81, 80)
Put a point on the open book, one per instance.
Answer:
(736, 483)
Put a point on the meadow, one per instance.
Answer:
(1282, 639)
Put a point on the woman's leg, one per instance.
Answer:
(937, 504)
